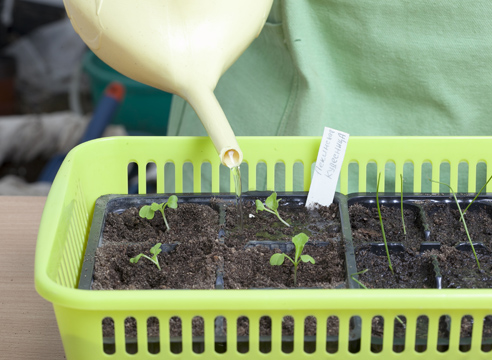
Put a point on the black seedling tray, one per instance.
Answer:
(119, 203)
(414, 203)
(298, 200)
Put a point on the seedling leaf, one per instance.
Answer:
(146, 212)
(136, 258)
(357, 281)
(271, 201)
(155, 206)
(476, 196)
(299, 241)
(277, 259)
(271, 206)
(156, 249)
(307, 258)
(259, 206)
(401, 204)
(172, 202)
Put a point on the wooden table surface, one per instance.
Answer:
(28, 327)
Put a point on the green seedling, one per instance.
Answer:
(299, 241)
(271, 205)
(148, 211)
(365, 287)
(356, 280)
(382, 226)
(475, 198)
(401, 204)
(155, 250)
(462, 219)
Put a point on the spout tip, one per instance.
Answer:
(231, 157)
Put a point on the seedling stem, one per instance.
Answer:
(356, 280)
(475, 198)
(401, 204)
(382, 226)
(462, 219)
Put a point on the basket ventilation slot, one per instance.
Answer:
(74, 247)
(274, 335)
(189, 177)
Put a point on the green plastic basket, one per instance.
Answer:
(100, 167)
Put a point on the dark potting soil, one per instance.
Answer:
(459, 269)
(411, 271)
(320, 224)
(366, 227)
(250, 268)
(188, 221)
(414, 270)
(192, 265)
(447, 228)
(194, 261)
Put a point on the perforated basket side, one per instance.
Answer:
(458, 161)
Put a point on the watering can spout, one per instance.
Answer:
(208, 109)
(177, 46)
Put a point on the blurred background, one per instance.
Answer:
(55, 93)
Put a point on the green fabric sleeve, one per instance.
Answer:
(369, 67)
(364, 67)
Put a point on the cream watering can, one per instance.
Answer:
(179, 46)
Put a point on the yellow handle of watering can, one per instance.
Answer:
(178, 46)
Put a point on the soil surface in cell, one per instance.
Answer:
(410, 270)
(366, 227)
(415, 270)
(191, 265)
(320, 224)
(189, 221)
(459, 269)
(250, 268)
(447, 228)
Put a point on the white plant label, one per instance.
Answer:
(328, 165)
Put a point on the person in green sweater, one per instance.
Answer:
(363, 67)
